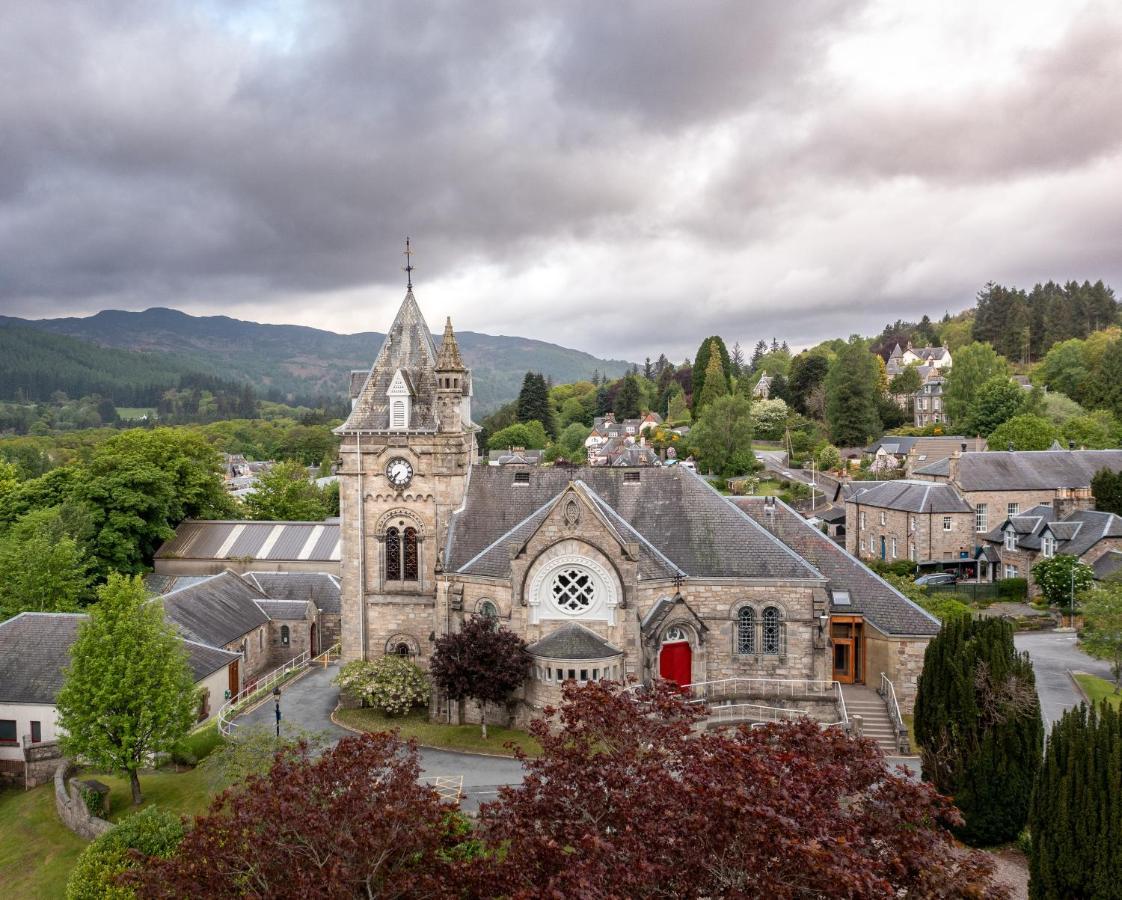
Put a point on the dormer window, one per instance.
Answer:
(400, 396)
(1048, 546)
(1010, 539)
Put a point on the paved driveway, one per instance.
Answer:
(1054, 654)
(309, 701)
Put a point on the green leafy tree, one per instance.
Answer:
(722, 436)
(769, 418)
(805, 379)
(629, 399)
(851, 395)
(530, 435)
(287, 492)
(152, 832)
(713, 386)
(1074, 824)
(907, 382)
(534, 404)
(1106, 488)
(1106, 386)
(677, 411)
(1096, 431)
(712, 345)
(1064, 369)
(973, 366)
(1102, 633)
(1062, 578)
(252, 750)
(1024, 432)
(829, 458)
(978, 725)
(128, 692)
(42, 567)
(140, 484)
(997, 401)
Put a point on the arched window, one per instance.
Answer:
(773, 631)
(402, 650)
(284, 635)
(399, 414)
(746, 631)
(410, 554)
(488, 610)
(674, 633)
(393, 554)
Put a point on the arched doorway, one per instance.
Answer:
(675, 656)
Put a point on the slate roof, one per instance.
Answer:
(870, 595)
(573, 642)
(218, 611)
(672, 509)
(165, 584)
(1075, 534)
(1108, 564)
(1027, 470)
(34, 649)
(203, 660)
(321, 588)
(284, 609)
(912, 497)
(302, 541)
(408, 347)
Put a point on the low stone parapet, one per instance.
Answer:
(71, 805)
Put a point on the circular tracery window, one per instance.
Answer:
(573, 590)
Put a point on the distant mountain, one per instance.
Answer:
(287, 361)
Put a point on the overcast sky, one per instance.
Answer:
(621, 177)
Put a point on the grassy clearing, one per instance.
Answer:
(446, 737)
(36, 850)
(1099, 689)
(187, 792)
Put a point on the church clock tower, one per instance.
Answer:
(407, 448)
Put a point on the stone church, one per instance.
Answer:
(605, 572)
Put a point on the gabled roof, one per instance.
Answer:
(1107, 565)
(870, 595)
(218, 611)
(34, 649)
(912, 497)
(573, 642)
(303, 541)
(321, 588)
(1027, 470)
(284, 609)
(1075, 534)
(408, 347)
(672, 509)
(203, 660)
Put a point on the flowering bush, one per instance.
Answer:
(392, 684)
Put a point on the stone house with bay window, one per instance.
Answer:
(616, 572)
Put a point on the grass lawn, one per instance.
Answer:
(446, 737)
(1099, 689)
(36, 850)
(185, 792)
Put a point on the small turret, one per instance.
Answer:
(451, 383)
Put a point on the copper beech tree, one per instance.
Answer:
(627, 800)
(355, 822)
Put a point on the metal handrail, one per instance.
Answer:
(261, 686)
(776, 687)
(839, 702)
(887, 692)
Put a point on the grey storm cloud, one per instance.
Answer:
(268, 158)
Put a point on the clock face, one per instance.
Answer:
(399, 472)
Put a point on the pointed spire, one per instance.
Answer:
(449, 355)
(408, 266)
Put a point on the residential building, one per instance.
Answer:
(894, 454)
(928, 404)
(762, 389)
(515, 456)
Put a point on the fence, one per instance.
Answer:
(1010, 589)
(264, 685)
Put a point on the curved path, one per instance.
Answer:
(309, 701)
(1054, 654)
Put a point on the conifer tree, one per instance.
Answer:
(711, 346)
(713, 386)
(628, 400)
(978, 724)
(534, 404)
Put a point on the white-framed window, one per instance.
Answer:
(981, 517)
(1048, 545)
(862, 545)
(1010, 570)
(1012, 509)
(861, 520)
(1010, 539)
(912, 552)
(912, 523)
(573, 590)
(894, 548)
(883, 520)
(948, 523)
(573, 586)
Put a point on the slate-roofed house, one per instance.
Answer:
(321, 588)
(879, 629)
(893, 453)
(633, 571)
(515, 456)
(34, 651)
(1018, 543)
(210, 547)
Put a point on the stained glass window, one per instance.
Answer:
(393, 555)
(746, 631)
(771, 630)
(410, 554)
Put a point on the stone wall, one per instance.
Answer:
(900, 658)
(71, 807)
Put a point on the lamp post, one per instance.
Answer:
(276, 700)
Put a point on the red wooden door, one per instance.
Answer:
(675, 662)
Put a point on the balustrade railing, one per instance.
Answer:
(888, 693)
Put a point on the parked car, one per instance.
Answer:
(937, 578)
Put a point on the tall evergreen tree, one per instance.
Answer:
(1075, 822)
(714, 385)
(978, 724)
(648, 370)
(629, 399)
(1106, 488)
(710, 346)
(808, 372)
(851, 395)
(758, 353)
(534, 403)
(737, 360)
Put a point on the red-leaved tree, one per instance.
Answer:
(353, 823)
(482, 661)
(627, 800)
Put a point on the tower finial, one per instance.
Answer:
(408, 265)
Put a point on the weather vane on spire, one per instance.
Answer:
(408, 265)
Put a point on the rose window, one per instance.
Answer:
(573, 590)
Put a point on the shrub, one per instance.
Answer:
(392, 684)
(1012, 589)
(152, 832)
(197, 746)
(1062, 577)
(901, 567)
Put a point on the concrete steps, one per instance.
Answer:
(876, 725)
